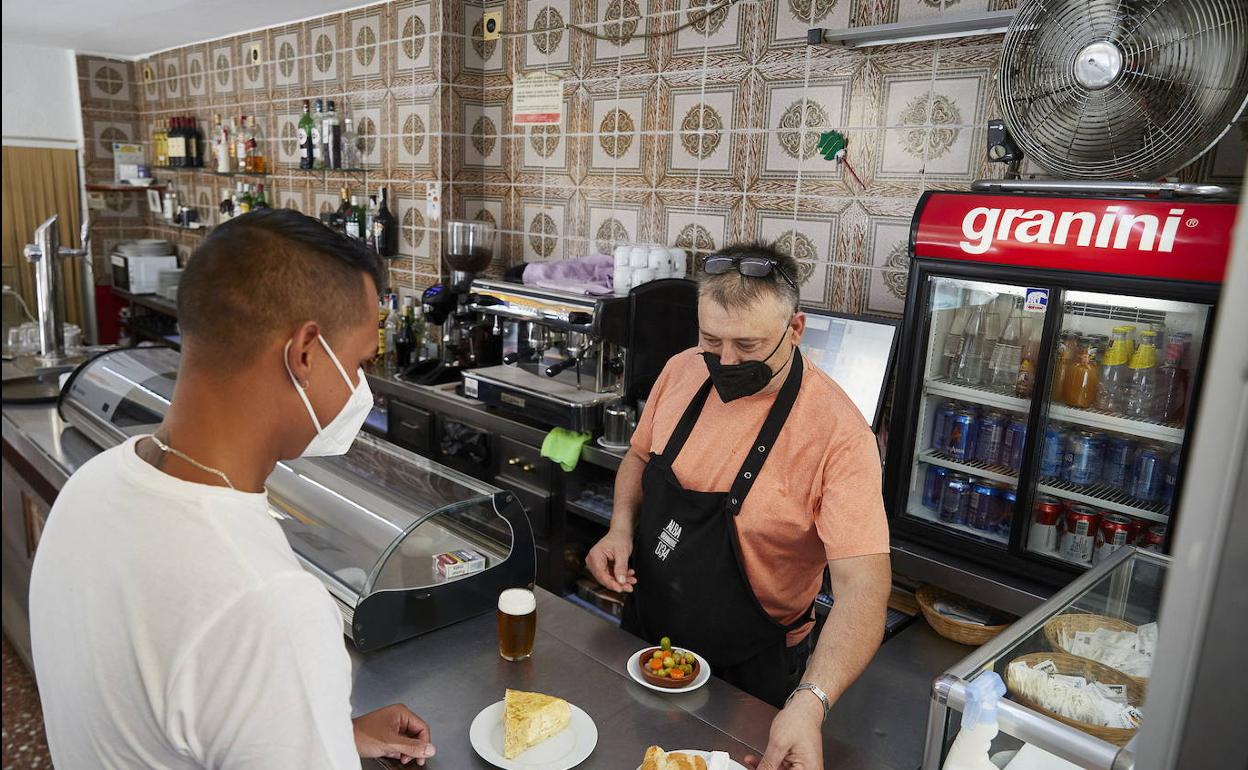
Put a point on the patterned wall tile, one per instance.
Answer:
(545, 228)
(222, 68)
(107, 81)
(289, 58)
(698, 230)
(253, 64)
(416, 135)
(481, 55)
(908, 10)
(612, 223)
(412, 29)
(701, 123)
(323, 50)
(616, 127)
(550, 44)
(480, 132)
(712, 26)
(790, 19)
(544, 147)
(623, 21)
(932, 125)
(796, 114)
(887, 244)
(366, 34)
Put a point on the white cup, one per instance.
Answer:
(622, 280)
(639, 257)
(680, 262)
(658, 260)
(621, 256)
(643, 275)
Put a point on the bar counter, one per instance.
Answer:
(449, 675)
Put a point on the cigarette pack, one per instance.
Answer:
(453, 564)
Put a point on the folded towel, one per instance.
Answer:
(564, 447)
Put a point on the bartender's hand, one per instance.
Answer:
(796, 739)
(393, 732)
(608, 562)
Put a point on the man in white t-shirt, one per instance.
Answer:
(172, 625)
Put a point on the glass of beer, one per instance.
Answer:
(517, 623)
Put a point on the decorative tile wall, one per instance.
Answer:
(678, 128)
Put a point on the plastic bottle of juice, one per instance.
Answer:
(1141, 387)
(1083, 379)
(1172, 382)
(1109, 394)
(1067, 346)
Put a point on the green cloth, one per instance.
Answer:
(564, 447)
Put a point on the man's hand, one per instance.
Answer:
(796, 739)
(393, 732)
(608, 562)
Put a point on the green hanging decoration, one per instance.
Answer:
(832, 145)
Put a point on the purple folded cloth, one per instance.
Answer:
(586, 275)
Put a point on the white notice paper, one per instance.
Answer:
(537, 99)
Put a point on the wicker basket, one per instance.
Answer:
(955, 630)
(1074, 623)
(1073, 665)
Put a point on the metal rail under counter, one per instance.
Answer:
(449, 674)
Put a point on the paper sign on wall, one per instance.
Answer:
(537, 99)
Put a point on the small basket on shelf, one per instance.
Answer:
(1073, 665)
(1067, 625)
(956, 630)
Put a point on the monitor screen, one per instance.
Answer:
(857, 352)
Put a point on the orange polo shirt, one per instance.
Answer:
(817, 497)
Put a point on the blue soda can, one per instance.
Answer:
(1082, 464)
(934, 486)
(983, 508)
(1052, 455)
(1148, 474)
(940, 425)
(956, 499)
(1116, 468)
(962, 429)
(989, 438)
(1015, 442)
(1009, 499)
(1172, 476)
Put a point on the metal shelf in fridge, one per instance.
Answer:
(1094, 418)
(1106, 498)
(975, 468)
(979, 394)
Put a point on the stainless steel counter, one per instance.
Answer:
(448, 676)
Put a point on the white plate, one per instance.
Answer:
(634, 670)
(562, 751)
(706, 755)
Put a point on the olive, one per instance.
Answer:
(665, 643)
(668, 662)
(657, 654)
(662, 672)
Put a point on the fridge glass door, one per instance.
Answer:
(971, 427)
(1113, 424)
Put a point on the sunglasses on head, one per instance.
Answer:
(751, 267)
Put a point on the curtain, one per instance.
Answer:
(40, 182)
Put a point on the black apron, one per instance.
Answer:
(691, 582)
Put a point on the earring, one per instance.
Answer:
(304, 384)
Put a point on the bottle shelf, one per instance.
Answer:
(918, 511)
(979, 394)
(975, 468)
(1094, 418)
(1105, 498)
(119, 187)
(1056, 555)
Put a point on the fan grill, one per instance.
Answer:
(1123, 89)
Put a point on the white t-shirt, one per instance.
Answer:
(173, 628)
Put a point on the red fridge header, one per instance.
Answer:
(1177, 239)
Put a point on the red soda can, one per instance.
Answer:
(1046, 515)
(1153, 538)
(1115, 532)
(1079, 540)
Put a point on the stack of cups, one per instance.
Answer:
(622, 279)
(635, 265)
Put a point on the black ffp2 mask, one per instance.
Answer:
(733, 381)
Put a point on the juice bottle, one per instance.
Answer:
(1068, 341)
(1084, 377)
(1109, 395)
(1172, 382)
(1141, 388)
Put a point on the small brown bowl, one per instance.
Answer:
(663, 681)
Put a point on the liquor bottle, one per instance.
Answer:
(331, 137)
(1007, 353)
(383, 310)
(1026, 382)
(240, 144)
(306, 155)
(259, 201)
(350, 146)
(385, 229)
(370, 215)
(1114, 371)
(404, 337)
(953, 340)
(195, 138)
(220, 146)
(968, 367)
(393, 320)
(1172, 382)
(1083, 379)
(1141, 387)
(176, 143)
(357, 222)
(255, 157)
(344, 216)
(160, 147)
(318, 157)
(245, 202)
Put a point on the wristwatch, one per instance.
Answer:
(820, 694)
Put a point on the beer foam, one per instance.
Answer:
(517, 601)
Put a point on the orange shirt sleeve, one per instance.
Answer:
(851, 519)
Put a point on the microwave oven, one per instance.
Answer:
(140, 275)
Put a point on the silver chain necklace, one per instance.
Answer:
(162, 446)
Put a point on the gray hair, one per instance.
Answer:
(733, 290)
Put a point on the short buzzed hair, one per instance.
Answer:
(263, 273)
(733, 290)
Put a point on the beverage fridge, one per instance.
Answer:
(1051, 353)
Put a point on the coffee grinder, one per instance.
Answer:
(467, 339)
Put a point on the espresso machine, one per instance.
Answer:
(467, 339)
(565, 356)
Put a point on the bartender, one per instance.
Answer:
(750, 472)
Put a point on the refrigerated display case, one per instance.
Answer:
(1052, 349)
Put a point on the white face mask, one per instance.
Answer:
(336, 437)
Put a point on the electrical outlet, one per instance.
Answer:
(433, 202)
(253, 53)
(491, 25)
